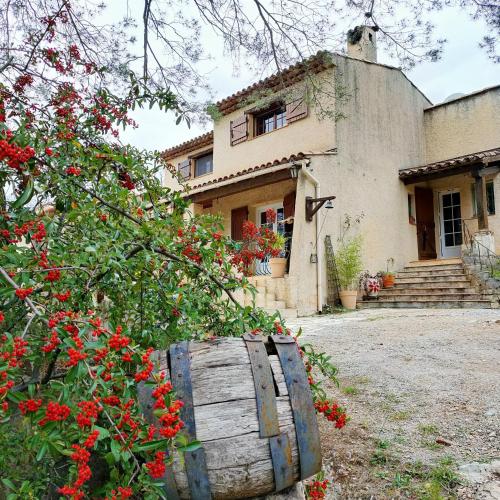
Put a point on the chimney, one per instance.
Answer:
(362, 43)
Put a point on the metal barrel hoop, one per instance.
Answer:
(304, 415)
(267, 411)
(195, 461)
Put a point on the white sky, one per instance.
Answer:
(463, 68)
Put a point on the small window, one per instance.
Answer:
(204, 165)
(270, 120)
(411, 215)
(490, 198)
(184, 169)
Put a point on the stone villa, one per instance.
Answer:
(424, 176)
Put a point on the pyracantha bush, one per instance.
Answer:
(99, 266)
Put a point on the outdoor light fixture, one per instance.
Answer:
(294, 170)
(313, 259)
(314, 204)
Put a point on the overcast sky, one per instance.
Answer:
(463, 68)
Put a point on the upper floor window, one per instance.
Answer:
(204, 165)
(254, 123)
(270, 120)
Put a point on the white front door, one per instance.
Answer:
(451, 224)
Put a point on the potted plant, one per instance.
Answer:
(388, 277)
(371, 284)
(349, 265)
(277, 262)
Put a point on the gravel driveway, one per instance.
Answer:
(422, 388)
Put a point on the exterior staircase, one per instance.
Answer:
(434, 284)
(273, 294)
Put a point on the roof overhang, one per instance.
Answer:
(240, 183)
(476, 164)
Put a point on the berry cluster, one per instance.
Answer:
(316, 489)
(332, 412)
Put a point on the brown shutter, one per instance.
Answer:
(238, 217)
(296, 110)
(184, 169)
(289, 205)
(239, 130)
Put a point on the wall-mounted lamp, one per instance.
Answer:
(314, 204)
(294, 170)
(313, 258)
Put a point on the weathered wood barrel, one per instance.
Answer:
(248, 401)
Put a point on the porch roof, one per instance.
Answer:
(248, 178)
(451, 166)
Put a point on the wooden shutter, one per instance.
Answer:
(296, 110)
(289, 205)
(184, 169)
(238, 217)
(239, 130)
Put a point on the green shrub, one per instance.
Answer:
(349, 264)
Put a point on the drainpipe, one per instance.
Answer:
(319, 270)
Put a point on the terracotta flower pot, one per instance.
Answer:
(278, 267)
(388, 280)
(348, 298)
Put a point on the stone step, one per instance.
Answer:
(405, 297)
(270, 298)
(420, 304)
(437, 267)
(432, 279)
(424, 273)
(435, 262)
(429, 284)
(430, 290)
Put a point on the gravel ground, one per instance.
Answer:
(422, 388)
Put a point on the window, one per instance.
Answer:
(184, 169)
(411, 216)
(490, 198)
(204, 165)
(270, 120)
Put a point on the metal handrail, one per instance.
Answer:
(480, 254)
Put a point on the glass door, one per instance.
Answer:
(451, 224)
(262, 266)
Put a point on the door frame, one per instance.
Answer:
(275, 206)
(456, 250)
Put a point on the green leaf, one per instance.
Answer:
(151, 445)
(26, 195)
(9, 483)
(193, 445)
(115, 450)
(41, 453)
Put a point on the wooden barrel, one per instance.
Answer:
(248, 401)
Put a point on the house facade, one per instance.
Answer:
(413, 172)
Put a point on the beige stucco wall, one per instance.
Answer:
(463, 126)
(308, 134)
(382, 133)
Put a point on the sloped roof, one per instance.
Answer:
(189, 146)
(257, 168)
(315, 64)
(451, 163)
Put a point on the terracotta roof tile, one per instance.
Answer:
(240, 173)
(188, 146)
(315, 64)
(449, 164)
